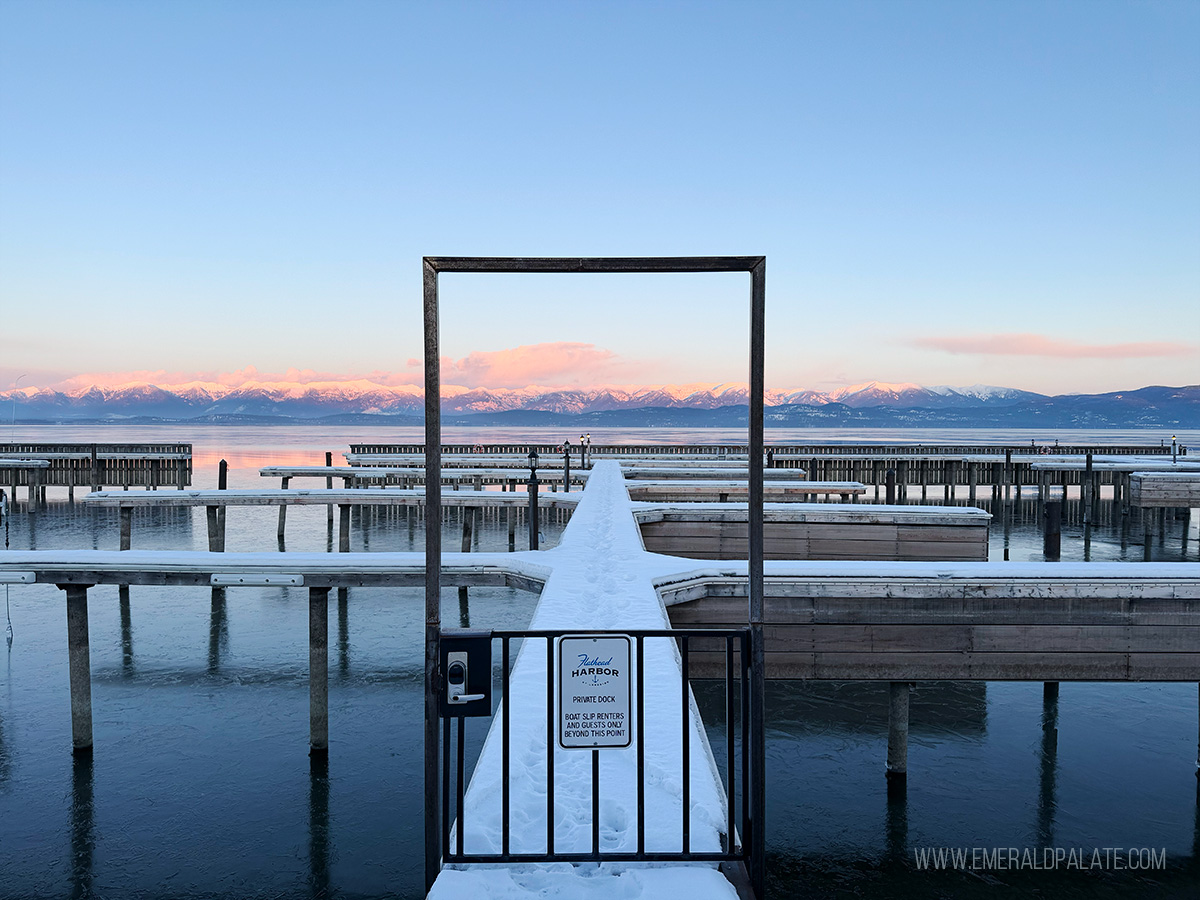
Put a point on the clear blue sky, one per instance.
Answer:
(946, 193)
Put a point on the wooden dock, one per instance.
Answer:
(898, 622)
(1173, 490)
(677, 491)
(96, 466)
(215, 502)
(966, 622)
(923, 467)
(817, 531)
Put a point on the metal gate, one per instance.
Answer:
(459, 672)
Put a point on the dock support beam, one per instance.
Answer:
(283, 512)
(343, 528)
(897, 749)
(1052, 538)
(80, 664)
(318, 670)
(216, 529)
(467, 528)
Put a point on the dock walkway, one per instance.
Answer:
(600, 579)
(900, 622)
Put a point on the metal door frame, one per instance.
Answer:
(756, 266)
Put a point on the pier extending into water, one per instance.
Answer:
(892, 622)
(39, 466)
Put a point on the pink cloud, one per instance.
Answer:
(548, 365)
(556, 364)
(1040, 345)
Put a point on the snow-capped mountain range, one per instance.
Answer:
(331, 397)
(698, 404)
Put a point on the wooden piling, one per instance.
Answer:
(1086, 489)
(222, 484)
(216, 529)
(318, 670)
(1052, 538)
(329, 487)
(343, 527)
(897, 749)
(467, 525)
(126, 514)
(283, 509)
(80, 666)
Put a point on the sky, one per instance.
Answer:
(946, 193)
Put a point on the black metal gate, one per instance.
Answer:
(731, 645)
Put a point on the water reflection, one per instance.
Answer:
(126, 632)
(218, 631)
(83, 836)
(319, 849)
(5, 763)
(954, 707)
(1048, 777)
(343, 621)
(464, 612)
(896, 823)
(1196, 828)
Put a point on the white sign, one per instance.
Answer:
(594, 691)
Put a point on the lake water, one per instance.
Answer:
(201, 784)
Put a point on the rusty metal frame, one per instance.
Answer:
(756, 266)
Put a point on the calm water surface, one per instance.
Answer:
(201, 784)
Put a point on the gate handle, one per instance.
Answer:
(456, 678)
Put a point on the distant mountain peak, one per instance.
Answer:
(312, 400)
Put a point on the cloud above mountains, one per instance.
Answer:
(560, 363)
(1040, 345)
(556, 364)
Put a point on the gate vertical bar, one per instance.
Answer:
(460, 785)
(686, 745)
(549, 745)
(433, 567)
(506, 716)
(641, 748)
(596, 803)
(758, 302)
(730, 766)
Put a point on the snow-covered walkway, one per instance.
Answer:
(601, 579)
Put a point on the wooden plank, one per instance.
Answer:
(954, 667)
(921, 638)
(720, 611)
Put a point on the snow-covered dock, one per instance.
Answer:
(839, 620)
(600, 579)
(95, 465)
(216, 501)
